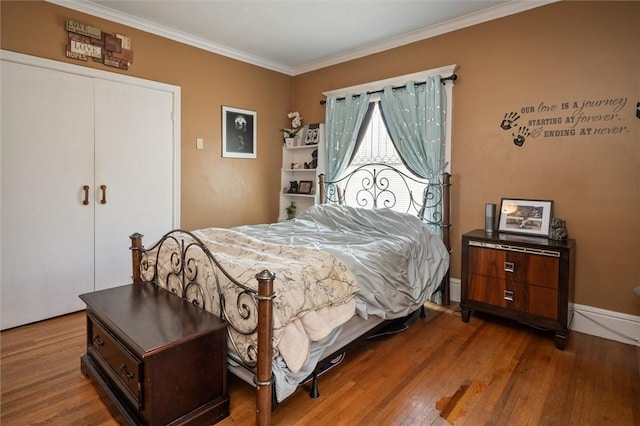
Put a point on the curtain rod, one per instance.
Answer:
(452, 77)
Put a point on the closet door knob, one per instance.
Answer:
(103, 188)
(85, 188)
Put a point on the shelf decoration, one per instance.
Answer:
(305, 187)
(313, 134)
(86, 41)
(291, 211)
(314, 160)
(296, 126)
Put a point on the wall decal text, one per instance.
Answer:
(586, 117)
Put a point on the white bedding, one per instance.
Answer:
(397, 261)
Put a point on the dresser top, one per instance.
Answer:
(149, 317)
(508, 238)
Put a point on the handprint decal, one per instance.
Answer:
(523, 133)
(509, 120)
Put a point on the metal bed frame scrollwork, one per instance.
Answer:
(370, 186)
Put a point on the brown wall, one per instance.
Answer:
(215, 191)
(561, 53)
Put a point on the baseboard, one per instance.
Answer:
(599, 322)
(454, 290)
(610, 325)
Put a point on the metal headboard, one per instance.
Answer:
(379, 185)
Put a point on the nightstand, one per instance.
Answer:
(155, 358)
(524, 278)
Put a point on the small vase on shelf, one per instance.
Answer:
(289, 142)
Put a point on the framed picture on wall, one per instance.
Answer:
(239, 130)
(531, 217)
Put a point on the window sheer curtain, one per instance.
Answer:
(343, 118)
(415, 117)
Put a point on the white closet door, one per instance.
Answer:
(134, 160)
(47, 157)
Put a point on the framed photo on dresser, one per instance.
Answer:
(531, 217)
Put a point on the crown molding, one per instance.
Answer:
(513, 7)
(169, 33)
(516, 6)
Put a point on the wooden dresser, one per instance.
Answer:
(527, 279)
(156, 359)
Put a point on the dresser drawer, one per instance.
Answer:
(121, 365)
(537, 269)
(514, 295)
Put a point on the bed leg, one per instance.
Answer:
(314, 393)
(321, 188)
(136, 254)
(446, 230)
(264, 374)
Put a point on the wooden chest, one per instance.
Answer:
(155, 358)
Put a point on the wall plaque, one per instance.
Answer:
(84, 29)
(86, 41)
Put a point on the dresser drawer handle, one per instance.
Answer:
(509, 295)
(97, 341)
(127, 374)
(509, 267)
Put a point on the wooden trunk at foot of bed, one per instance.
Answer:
(264, 374)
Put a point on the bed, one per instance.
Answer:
(295, 294)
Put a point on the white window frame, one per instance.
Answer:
(376, 86)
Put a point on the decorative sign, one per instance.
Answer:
(112, 43)
(86, 49)
(87, 42)
(84, 29)
(586, 117)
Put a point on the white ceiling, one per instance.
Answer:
(296, 36)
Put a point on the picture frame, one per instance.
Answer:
(239, 133)
(305, 187)
(521, 216)
(312, 136)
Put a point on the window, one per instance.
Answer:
(377, 147)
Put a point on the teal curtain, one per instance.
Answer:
(344, 118)
(415, 117)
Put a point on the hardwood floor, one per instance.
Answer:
(440, 371)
